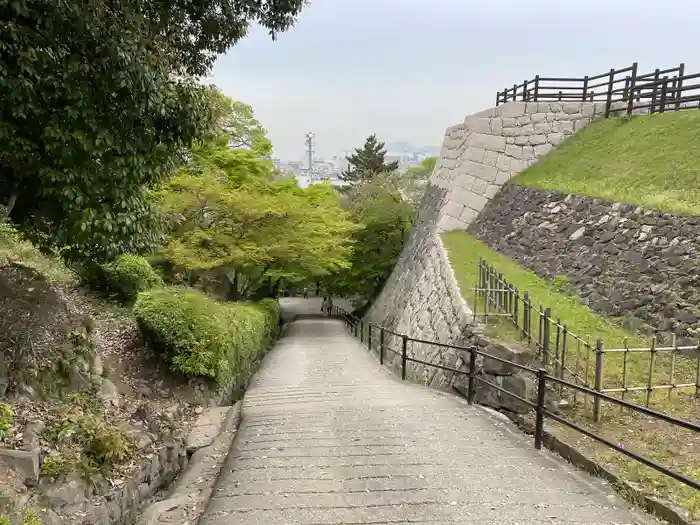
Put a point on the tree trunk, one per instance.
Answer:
(233, 293)
(10, 205)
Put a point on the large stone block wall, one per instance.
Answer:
(486, 150)
(622, 260)
(421, 298)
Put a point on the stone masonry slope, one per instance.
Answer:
(328, 437)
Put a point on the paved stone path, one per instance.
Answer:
(330, 437)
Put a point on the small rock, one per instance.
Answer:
(31, 482)
(172, 411)
(71, 492)
(108, 393)
(145, 392)
(198, 410)
(97, 367)
(82, 365)
(24, 461)
(577, 234)
(30, 437)
(142, 439)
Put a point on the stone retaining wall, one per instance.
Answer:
(622, 260)
(479, 155)
(119, 504)
(421, 298)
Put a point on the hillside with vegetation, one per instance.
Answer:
(144, 240)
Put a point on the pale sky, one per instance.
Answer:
(407, 69)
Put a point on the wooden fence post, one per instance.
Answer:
(608, 101)
(633, 82)
(679, 86)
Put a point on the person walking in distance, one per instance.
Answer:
(324, 305)
(329, 306)
(306, 292)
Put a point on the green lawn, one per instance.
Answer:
(652, 161)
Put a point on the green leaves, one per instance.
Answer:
(385, 216)
(367, 162)
(92, 117)
(226, 211)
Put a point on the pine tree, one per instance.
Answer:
(367, 162)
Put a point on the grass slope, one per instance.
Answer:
(673, 447)
(652, 161)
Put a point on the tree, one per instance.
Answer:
(194, 32)
(230, 217)
(98, 106)
(367, 162)
(414, 180)
(423, 171)
(385, 217)
(237, 120)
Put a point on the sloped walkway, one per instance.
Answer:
(330, 437)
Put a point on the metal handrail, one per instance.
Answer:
(356, 326)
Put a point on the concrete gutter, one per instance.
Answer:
(211, 438)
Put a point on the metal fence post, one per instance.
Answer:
(526, 318)
(381, 345)
(362, 331)
(404, 350)
(537, 87)
(539, 409)
(546, 335)
(472, 376)
(369, 336)
(598, 379)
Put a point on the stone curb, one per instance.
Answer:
(193, 488)
(659, 508)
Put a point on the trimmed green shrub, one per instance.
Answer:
(7, 419)
(128, 275)
(198, 336)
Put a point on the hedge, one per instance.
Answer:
(128, 275)
(198, 336)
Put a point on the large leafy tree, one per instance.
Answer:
(367, 162)
(236, 120)
(194, 32)
(230, 217)
(385, 218)
(98, 105)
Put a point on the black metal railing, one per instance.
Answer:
(571, 354)
(544, 380)
(621, 89)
